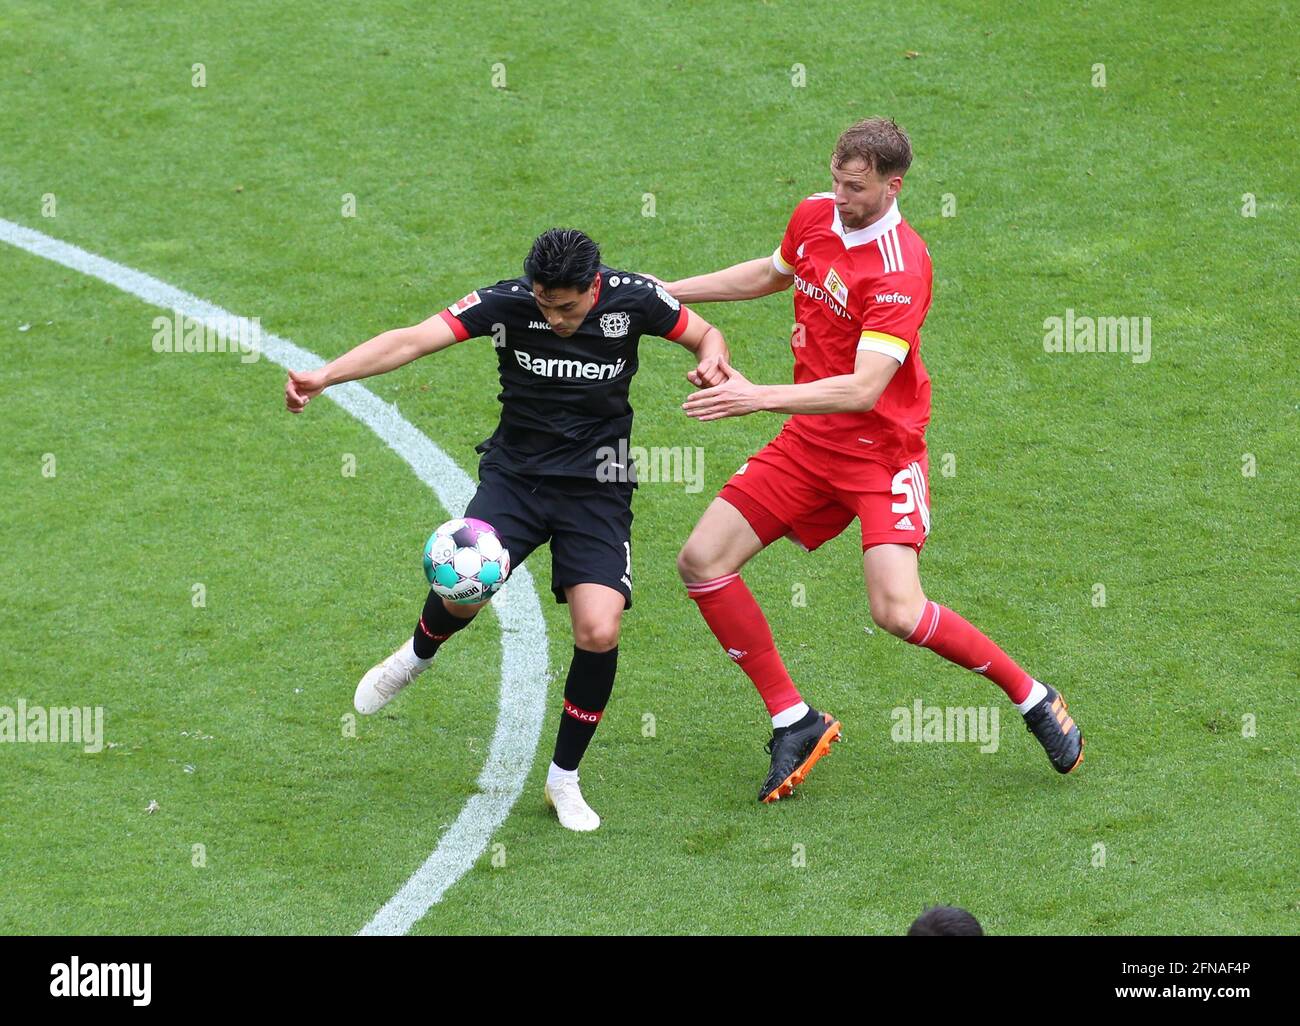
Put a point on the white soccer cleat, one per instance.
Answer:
(382, 682)
(565, 798)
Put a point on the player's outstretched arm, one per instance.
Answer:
(750, 280)
(386, 351)
(842, 393)
(709, 347)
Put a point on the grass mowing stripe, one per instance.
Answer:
(522, 704)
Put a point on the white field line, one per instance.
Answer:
(522, 704)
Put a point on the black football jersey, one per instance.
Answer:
(564, 399)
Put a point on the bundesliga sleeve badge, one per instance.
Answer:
(461, 305)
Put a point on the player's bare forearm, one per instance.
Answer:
(710, 356)
(709, 347)
(840, 393)
(385, 352)
(748, 280)
(843, 393)
(712, 346)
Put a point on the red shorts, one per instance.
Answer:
(795, 488)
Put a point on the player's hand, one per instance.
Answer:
(301, 387)
(707, 373)
(734, 397)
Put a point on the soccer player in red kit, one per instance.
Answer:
(854, 447)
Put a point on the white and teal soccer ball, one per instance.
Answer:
(465, 561)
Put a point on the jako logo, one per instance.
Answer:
(893, 297)
(96, 979)
(556, 368)
(582, 715)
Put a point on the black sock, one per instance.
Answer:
(586, 693)
(436, 626)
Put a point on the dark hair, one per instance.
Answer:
(879, 143)
(563, 258)
(945, 921)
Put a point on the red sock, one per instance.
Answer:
(944, 632)
(740, 626)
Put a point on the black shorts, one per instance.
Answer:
(587, 522)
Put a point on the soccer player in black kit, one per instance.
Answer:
(566, 337)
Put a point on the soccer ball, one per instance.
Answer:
(465, 561)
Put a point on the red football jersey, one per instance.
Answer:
(864, 289)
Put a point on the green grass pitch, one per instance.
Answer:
(1124, 529)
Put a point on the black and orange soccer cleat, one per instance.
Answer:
(795, 750)
(1050, 721)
